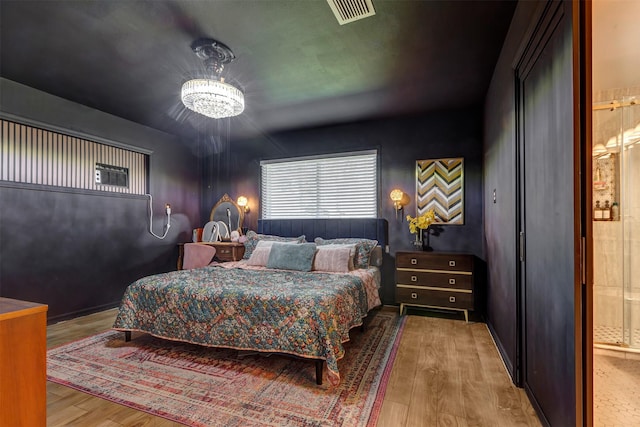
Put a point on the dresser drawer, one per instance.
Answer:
(430, 261)
(444, 299)
(229, 252)
(415, 277)
(224, 254)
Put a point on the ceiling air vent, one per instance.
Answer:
(351, 10)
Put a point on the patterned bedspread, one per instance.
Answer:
(299, 313)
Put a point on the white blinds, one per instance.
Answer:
(340, 186)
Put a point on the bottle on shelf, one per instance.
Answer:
(615, 211)
(597, 212)
(606, 211)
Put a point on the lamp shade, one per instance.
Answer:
(396, 195)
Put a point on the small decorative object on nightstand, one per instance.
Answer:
(435, 280)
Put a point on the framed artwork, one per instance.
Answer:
(440, 186)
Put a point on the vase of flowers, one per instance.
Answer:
(419, 225)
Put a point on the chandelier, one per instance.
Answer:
(212, 97)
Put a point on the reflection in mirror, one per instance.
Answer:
(229, 212)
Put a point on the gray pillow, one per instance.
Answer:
(292, 257)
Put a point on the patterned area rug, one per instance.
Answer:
(200, 386)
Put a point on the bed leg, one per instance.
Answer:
(127, 336)
(319, 364)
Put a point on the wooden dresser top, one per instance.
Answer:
(10, 308)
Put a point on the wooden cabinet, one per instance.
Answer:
(229, 251)
(436, 280)
(225, 251)
(23, 363)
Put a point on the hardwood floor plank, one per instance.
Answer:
(392, 414)
(448, 420)
(400, 385)
(64, 412)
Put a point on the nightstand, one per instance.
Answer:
(436, 280)
(225, 251)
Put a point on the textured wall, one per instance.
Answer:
(76, 250)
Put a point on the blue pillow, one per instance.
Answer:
(292, 257)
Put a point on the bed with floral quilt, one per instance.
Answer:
(258, 305)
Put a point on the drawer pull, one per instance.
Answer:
(452, 299)
(414, 261)
(452, 263)
(414, 295)
(452, 281)
(414, 278)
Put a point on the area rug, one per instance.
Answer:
(200, 386)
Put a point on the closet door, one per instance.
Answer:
(546, 174)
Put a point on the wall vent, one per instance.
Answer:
(112, 175)
(351, 10)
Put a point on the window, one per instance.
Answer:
(33, 155)
(335, 186)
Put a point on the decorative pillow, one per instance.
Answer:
(253, 238)
(376, 257)
(292, 257)
(363, 248)
(334, 258)
(260, 255)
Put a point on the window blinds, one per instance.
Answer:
(339, 186)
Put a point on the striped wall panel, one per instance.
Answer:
(37, 156)
(440, 186)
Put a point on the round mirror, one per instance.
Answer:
(228, 211)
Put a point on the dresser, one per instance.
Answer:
(23, 367)
(436, 280)
(225, 251)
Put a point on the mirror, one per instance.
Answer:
(229, 212)
(440, 186)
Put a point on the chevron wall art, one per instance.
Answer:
(440, 186)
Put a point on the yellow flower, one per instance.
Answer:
(421, 222)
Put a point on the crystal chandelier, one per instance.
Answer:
(212, 97)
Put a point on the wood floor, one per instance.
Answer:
(446, 373)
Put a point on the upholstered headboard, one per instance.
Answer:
(368, 228)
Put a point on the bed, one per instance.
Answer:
(264, 308)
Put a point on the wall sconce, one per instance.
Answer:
(397, 195)
(243, 203)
